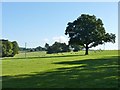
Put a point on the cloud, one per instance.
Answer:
(61, 39)
(46, 40)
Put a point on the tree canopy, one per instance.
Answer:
(76, 47)
(15, 47)
(88, 31)
(57, 48)
(46, 46)
(8, 49)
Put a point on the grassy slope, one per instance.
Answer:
(61, 70)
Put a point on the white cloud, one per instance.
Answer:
(46, 40)
(61, 39)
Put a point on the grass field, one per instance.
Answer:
(67, 70)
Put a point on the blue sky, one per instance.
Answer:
(37, 23)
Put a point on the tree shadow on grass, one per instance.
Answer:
(89, 73)
(92, 62)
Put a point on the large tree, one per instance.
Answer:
(88, 31)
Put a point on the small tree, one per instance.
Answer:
(46, 46)
(88, 31)
(76, 47)
(8, 48)
(15, 48)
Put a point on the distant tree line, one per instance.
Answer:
(39, 48)
(8, 48)
(58, 47)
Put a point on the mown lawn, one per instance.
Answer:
(67, 70)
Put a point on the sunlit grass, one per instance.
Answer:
(72, 70)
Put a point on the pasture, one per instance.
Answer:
(62, 70)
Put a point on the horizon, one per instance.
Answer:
(35, 23)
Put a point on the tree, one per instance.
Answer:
(55, 48)
(76, 47)
(39, 48)
(65, 48)
(15, 48)
(46, 46)
(8, 48)
(50, 50)
(58, 47)
(0, 48)
(88, 31)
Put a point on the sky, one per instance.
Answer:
(37, 23)
(60, 0)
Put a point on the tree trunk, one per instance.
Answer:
(86, 52)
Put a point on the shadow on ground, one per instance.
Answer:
(89, 73)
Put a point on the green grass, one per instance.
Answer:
(67, 70)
